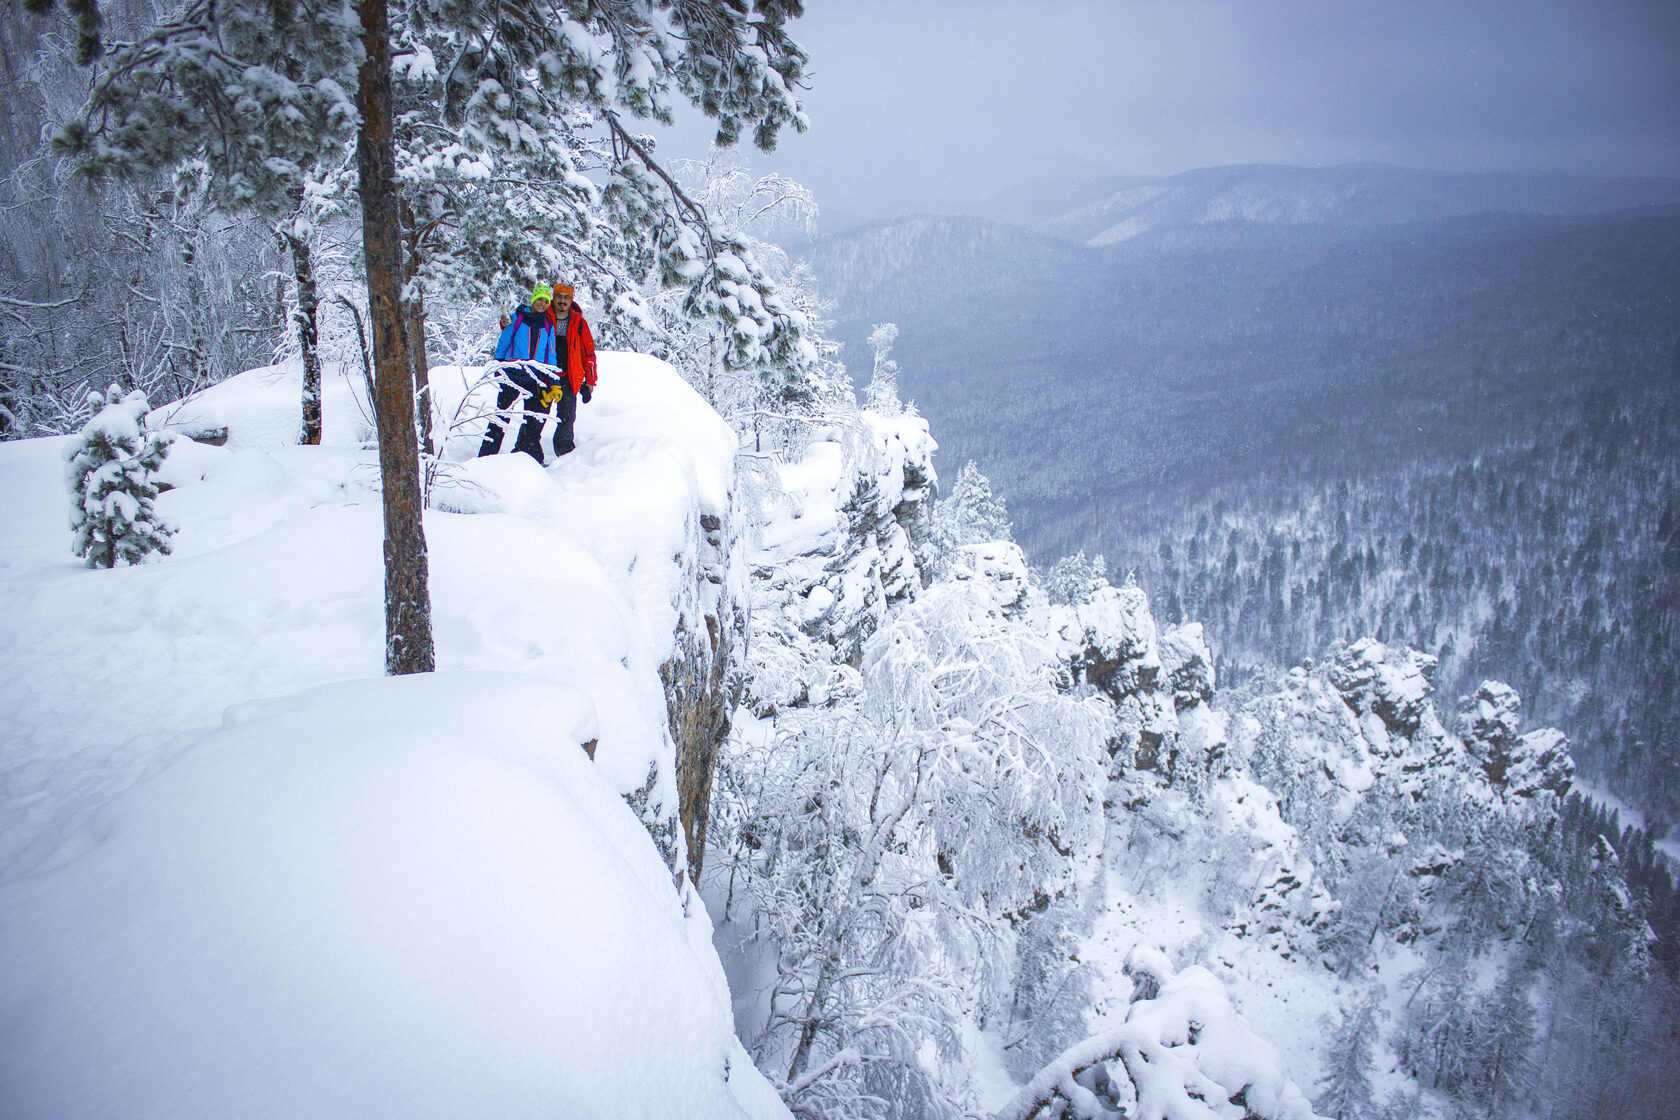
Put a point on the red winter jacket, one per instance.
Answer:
(580, 348)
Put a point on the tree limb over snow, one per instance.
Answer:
(1184, 1049)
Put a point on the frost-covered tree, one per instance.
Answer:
(881, 395)
(887, 841)
(1182, 1047)
(109, 470)
(320, 200)
(970, 514)
(1074, 579)
(182, 291)
(1506, 1050)
(1345, 1089)
(775, 404)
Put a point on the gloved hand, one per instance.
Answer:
(586, 392)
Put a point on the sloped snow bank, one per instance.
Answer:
(393, 897)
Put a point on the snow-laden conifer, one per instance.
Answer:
(109, 469)
(1073, 579)
(261, 90)
(970, 514)
(973, 514)
(1345, 1089)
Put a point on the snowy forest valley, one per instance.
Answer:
(1188, 648)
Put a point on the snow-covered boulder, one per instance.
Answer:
(1109, 640)
(1000, 568)
(1518, 766)
(1187, 664)
(1488, 720)
(1540, 764)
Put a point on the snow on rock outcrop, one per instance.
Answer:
(837, 547)
(1540, 765)
(1269, 828)
(1389, 693)
(1160, 684)
(1188, 665)
(244, 874)
(1392, 684)
(1519, 766)
(1109, 640)
(998, 566)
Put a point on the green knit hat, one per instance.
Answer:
(541, 291)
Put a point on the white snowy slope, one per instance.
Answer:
(244, 874)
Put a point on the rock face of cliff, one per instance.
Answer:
(1161, 684)
(702, 677)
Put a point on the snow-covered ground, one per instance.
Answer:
(244, 874)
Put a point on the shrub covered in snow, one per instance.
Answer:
(1183, 1053)
(109, 472)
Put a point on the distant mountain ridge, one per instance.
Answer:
(1108, 211)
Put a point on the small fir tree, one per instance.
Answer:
(973, 514)
(109, 471)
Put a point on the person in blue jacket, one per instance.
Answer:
(534, 371)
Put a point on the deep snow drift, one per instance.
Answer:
(241, 873)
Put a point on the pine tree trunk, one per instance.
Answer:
(308, 332)
(408, 604)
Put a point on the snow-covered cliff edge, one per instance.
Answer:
(244, 874)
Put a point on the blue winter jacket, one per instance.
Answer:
(517, 345)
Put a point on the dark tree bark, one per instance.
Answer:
(408, 603)
(307, 320)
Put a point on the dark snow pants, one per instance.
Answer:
(540, 395)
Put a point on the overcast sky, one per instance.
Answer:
(924, 101)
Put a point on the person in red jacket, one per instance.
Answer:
(576, 348)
